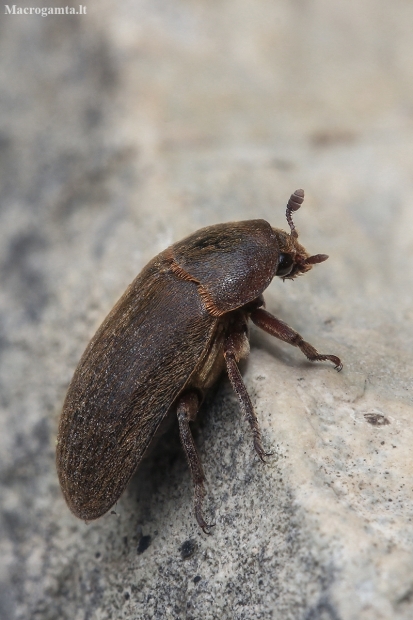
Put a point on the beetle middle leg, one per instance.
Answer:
(187, 408)
(284, 332)
(233, 350)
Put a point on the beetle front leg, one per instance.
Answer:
(187, 408)
(284, 332)
(233, 345)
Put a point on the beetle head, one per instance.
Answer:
(294, 259)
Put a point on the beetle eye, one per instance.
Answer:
(285, 265)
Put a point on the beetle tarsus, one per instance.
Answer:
(265, 456)
(284, 332)
(206, 527)
(328, 358)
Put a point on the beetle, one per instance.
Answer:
(180, 324)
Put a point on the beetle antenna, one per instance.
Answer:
(295, 202)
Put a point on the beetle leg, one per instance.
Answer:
(187, 409)
(281, 330)
(233, 344)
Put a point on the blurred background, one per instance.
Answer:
(127, 128)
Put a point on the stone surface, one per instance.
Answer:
(122, 131)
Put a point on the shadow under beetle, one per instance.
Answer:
(179, 325)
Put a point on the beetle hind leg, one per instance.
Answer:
(187, 408)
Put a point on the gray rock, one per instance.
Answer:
(122, 131)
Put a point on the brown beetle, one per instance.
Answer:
(178, 326)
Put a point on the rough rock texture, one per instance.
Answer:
(122, 131)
